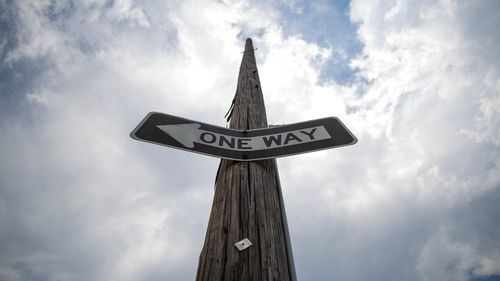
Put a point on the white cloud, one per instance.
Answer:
(443, 259)
(36, 38)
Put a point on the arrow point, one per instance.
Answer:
(185, 134)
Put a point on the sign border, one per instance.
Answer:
(250, 133)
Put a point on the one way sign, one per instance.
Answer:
(258, 144)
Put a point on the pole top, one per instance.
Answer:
(248, 44)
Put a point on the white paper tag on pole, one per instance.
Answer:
(243, 244)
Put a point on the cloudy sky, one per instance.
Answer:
(418, 83)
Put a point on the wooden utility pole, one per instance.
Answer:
(247, 203)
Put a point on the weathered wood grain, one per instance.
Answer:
(247, 202)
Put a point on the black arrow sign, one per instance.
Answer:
(258, 144)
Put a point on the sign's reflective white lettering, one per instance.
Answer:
(240, 145)
(189, 134)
